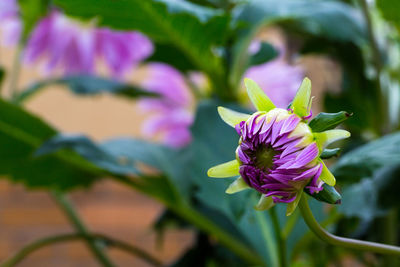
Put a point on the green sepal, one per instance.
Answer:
(328, 195)
(327, 121)
(238, 185)
(328, 137)
(232, 117)
(329, 153)
(224, 170)
(302, 101)
(326, 175)
(257, 96)
(264, 203)
(291, 207)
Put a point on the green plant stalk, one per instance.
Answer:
(333, 217)
(74, 219)
(378, 65)
(390, 235)
(14, 74)
(267, 234)
(38, 244)
(290, 224)
(279, 238)
(341, 241)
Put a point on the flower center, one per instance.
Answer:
(264, 157)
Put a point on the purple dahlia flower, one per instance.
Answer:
(10, 24)
(172, 115)
(278, 154)
(74, 46)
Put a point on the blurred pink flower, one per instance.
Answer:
(10, 24)
(173, 116)
(277, 78)
(74, 46)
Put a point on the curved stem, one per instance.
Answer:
(29, 249)
(341, 241)
(281, 241)
(73, 217)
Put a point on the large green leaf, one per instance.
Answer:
(363, 161)
(191, 28)
(116, 164)
(86, 85)
(332, 20)
(390, 11)
(20, 135)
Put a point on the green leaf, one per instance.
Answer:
(361, 200)
(329, 153)
(389, 10)
(328, 195)
(87, 85)
(171, 55)
(331, 20)
(191, 28)
(20, 135)
(365, 160)
(327, 121)
(266, 53)
(90, 151)
(31, 12)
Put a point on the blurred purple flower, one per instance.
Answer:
(173, 116)
(277, 78)
(10, 24)
(75, 46)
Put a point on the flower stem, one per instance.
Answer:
(14, 75)
(341, 241)
(378, 66)
(73, 217)
(279, 237)
(38, 244)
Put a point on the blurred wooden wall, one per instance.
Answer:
(109, 208)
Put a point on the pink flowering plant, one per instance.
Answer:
(191, 69)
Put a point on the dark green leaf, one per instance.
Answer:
(326, 121)
(87, 85)
(332, 20)
(329, 153)
(31, 12)
(191, 28)
(266, 53)
(206, 253)
(390, 11)
(90, 151)
(328, 195)
(361, 200)
(173, 56)
(364, 161)
(20, 135)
